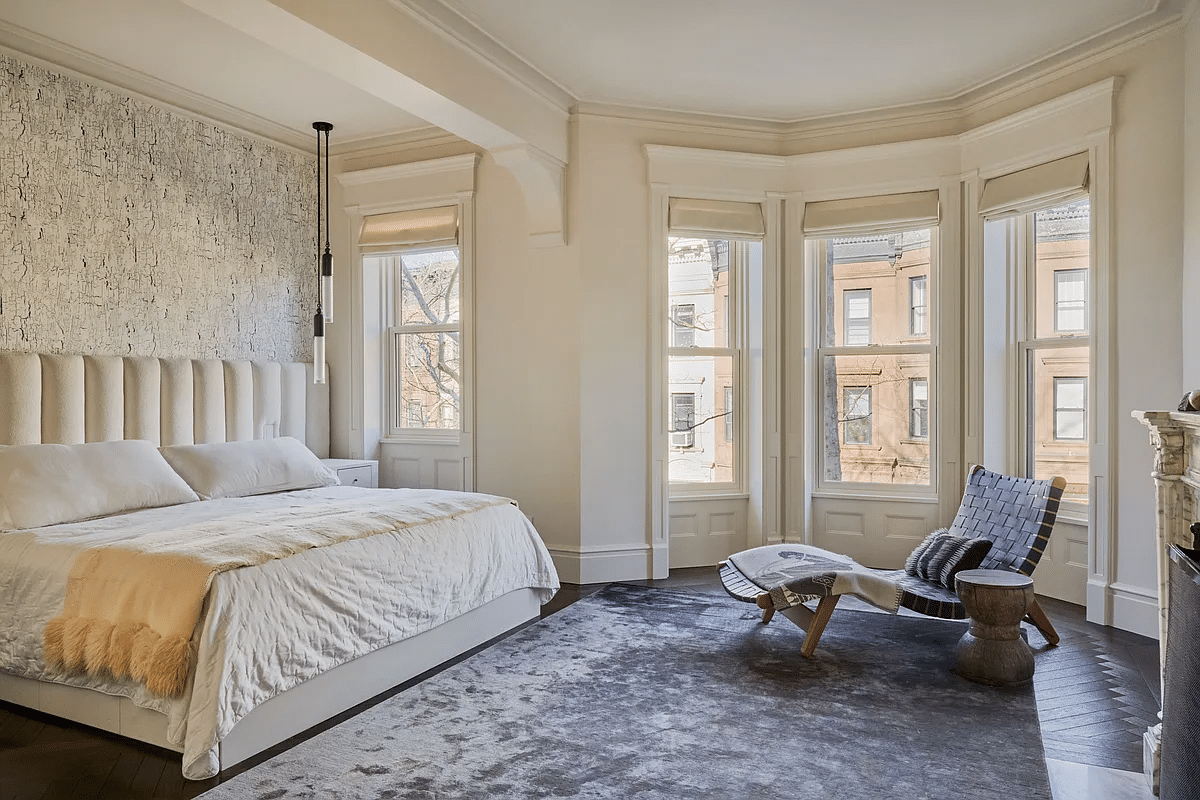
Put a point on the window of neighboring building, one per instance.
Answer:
(857, 315)
(918, 401)
(1070, 409)
(856, 414)
(918, 306)
(683, 325)
(683, 419)
(1070, 300)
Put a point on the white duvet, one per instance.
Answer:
(267, 628)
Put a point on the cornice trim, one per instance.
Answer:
(433, 166)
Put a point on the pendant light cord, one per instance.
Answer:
(318, 219)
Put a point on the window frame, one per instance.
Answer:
(916, 413)
(395, 407)
(689, 430)
(1059, 408)
(847, 296)
(1059, 302)
(735, 341)
(923, 315)
(861, 393)
(926, 348)
(683, 326)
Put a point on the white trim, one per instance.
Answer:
(462, 167)
(601, 563)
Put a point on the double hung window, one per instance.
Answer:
(873, 262)
(709, 247)
(1040, 220)
(418, 254)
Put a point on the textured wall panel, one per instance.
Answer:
(127, 229)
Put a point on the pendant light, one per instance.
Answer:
(324, 262)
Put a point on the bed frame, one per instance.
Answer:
(69, 399)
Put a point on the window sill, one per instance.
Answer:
(446, 438)
(707, 494)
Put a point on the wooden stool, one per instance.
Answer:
(992, 650)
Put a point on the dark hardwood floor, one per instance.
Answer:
(1097, 692)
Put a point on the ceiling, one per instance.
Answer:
(766, 61)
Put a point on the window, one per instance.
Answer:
(1070, 300)
(918, 303)
(856, 414)
(1070, 409)
(857, 314)
(683, 419)
(918, 401)
(876, 378)
(704, 340)
(1046, 252)
(728, 413)
(683, 325)
(424, 347)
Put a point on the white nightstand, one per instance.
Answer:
(354, 471)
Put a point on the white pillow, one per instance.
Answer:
(48, 484)
(238, 469)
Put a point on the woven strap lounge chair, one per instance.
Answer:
(1015, 514)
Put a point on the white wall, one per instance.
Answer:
(1191, 203)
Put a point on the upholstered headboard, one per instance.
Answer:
(67, 399)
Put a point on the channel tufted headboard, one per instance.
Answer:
(69, 399)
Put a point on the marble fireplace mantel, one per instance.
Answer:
(1175, 436)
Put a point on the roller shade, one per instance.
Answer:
(1046, 184)
(879, 213)
(708, 218)
(425, 227)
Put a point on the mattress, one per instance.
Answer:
(267, 628)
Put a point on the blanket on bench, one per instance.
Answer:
(796, 573)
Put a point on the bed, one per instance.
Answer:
(410, 580)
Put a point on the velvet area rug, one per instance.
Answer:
(649, 693)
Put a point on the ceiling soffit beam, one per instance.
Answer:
(383, 50)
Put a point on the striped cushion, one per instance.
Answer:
(948, 555)
(914, 558)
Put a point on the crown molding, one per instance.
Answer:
(372, 144)
(433, 166)
(64, 59)
(455, 27)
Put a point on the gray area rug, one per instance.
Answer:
(648, 693)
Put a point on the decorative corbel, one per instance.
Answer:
(542, 181)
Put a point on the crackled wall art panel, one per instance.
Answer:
(127, 228)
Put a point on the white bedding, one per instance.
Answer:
(267, 628)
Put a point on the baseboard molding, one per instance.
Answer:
(1125, 606)
(603, 564)
(1134, 609)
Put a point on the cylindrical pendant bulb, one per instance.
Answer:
(319, 347)
(327, 285)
